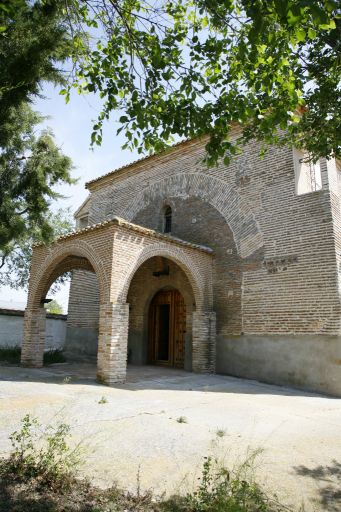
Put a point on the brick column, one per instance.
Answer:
(112, 343)
(204, 342)
(32, 350)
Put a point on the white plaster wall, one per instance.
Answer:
(12, 328)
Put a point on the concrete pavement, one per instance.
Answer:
(136, 431)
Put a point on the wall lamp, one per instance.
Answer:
(164, 272)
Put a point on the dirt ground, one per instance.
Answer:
(155, 430)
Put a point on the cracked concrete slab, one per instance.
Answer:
(136, 431)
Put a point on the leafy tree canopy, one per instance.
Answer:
(30, 167)
(54, 307)
(15, 272)
(34, 42)
(172, 68)
(185, 68)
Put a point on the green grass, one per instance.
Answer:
(11, 355)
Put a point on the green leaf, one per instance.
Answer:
(312, 33)
(300, 34)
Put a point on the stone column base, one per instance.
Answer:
(112, 343)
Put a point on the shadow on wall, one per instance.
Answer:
(328, 480)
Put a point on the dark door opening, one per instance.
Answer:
(167, 327)
(163, 339)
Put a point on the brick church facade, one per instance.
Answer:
(234, 269)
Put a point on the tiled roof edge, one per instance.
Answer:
(135, 227)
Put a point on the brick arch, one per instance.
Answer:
(226, 199)
(202, 296)
(69, 255)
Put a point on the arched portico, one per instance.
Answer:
(114, 250)
(47, 265)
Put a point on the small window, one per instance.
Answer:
(307, 174)
(168, 220)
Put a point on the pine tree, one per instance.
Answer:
(34, 43)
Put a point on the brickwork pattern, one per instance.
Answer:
(195, 220)
(114, 251)
(203, 353)
(32, 351)
(143, 288)
(268, 222)
(112, 343)
(83, 310)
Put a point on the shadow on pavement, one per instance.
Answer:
(328, 480)
(149, 377)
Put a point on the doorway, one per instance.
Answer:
(167, 328)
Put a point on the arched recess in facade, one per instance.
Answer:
(219, 194)
(167, 281)
(201, 289)
(46, 267)
(115, 250)
(197, 266)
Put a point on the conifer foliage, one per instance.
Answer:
(34, 43)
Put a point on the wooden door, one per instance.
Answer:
(167, 327)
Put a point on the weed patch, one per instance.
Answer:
(42, 454)
(40, 476)
(54, 356)
(181, 419)
(11, 355)
(220, 432)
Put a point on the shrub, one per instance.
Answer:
(11, 355)
(53, 356)
(42, 454)
(221, 490)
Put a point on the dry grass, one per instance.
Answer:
(40, 475)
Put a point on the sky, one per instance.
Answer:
(72, 126)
